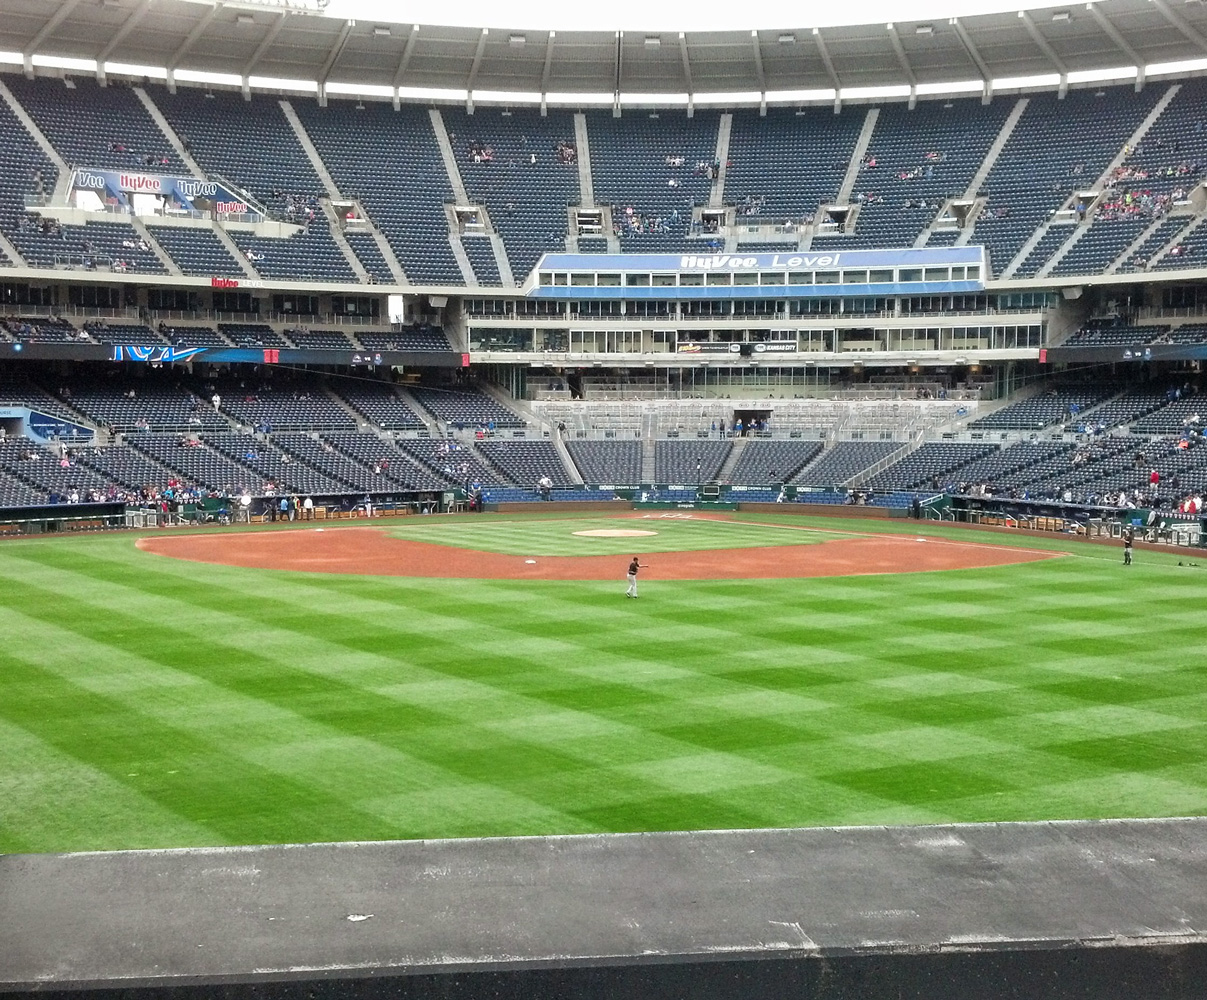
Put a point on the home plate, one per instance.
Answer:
(615, 533)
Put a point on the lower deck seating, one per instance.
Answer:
(617, 462)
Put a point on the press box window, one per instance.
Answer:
(691, 279)
(664, 280)
(633, 280)
(909, 274)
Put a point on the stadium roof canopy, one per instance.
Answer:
(297, 45)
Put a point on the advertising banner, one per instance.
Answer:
(149, 193)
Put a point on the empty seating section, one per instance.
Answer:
(1040, 411)
(789, 162)
(249, 143)
(525, 462)
(380, 404)
(95, 126)
(613, 462)
(1048, 244)
(40, 329)
(1162, 235)
(452, 460)
(1097, 249)
(124, 333)
(927, 154)
(24, 169)
(482, 259)
(364, 245)
(943, 237)
(394, 467)
(649, 162)
(195, 336)
(127, 466)
(420, 337)
(15, 392)
(1114, 334)
(197, 252)
(390, 161)
(1034, 175)
(199, 464)
(15, 492)
(144, 405)
(1171, 419)
(303, 408)
(772, 461)
(320, 340)
(43, 470)
(252, 335)
(991, 468)
(843, 461)
(526, 181)
(677, 461)
(1189, 250)
(1123, 410)
(97, 245)
(310, 254)
(463, 408)
(332, 462)
(271, 464)
(931, 465)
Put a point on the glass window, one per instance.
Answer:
(825, 278)
(718, 279)
(884, 276)
(636, 279)
(855, 277)
(771, 278)
(582, 279)
(746, 278)
(909, 274)
(800, 277)
(609, 280)
(691, 279)
(937, 274)
(664, 280)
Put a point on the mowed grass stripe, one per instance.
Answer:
(506, 707)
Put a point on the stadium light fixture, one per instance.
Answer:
(245, 19)
(1061, 15)
(516, 41)
(381, 31)
(652, 42)
(787, 38)
(924, 29)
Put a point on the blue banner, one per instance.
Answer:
(176, 194)
(819, 257)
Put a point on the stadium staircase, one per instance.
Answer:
(144, 233)
(450, 161)
(559, 445)
(10, 251)
(1098, 185)
(64, 181)
(582, 150)
(857, 155)
(724, 127)
(336, 228)
(169, 133)
(232, 248)
(974, 186)
(731, 460)
(1178, 239)
(308, 148)
(892, 458)
(648, 452)
(459, 254)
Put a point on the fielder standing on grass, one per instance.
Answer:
(634, 566)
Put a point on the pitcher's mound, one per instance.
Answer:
(615, 533)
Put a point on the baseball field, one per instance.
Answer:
(483, 676)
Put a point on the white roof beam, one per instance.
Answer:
(1176, 19)
(758, 68)
(619, 72)
(902, 59)
(473, 71)
(1047, 50)
(119, 36)
(547, 68)
(189, 41)
(824, 50)
(687, 73)
(1121, 43)
(332, 58)
(973, 54)
(270, 36)
(400, 73)
(35, 43)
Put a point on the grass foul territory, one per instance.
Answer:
(148, 701)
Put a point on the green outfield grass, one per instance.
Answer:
(149, 702)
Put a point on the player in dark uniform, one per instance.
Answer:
(634, 566)
(1129, 536)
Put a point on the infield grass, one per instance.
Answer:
(149, 702)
